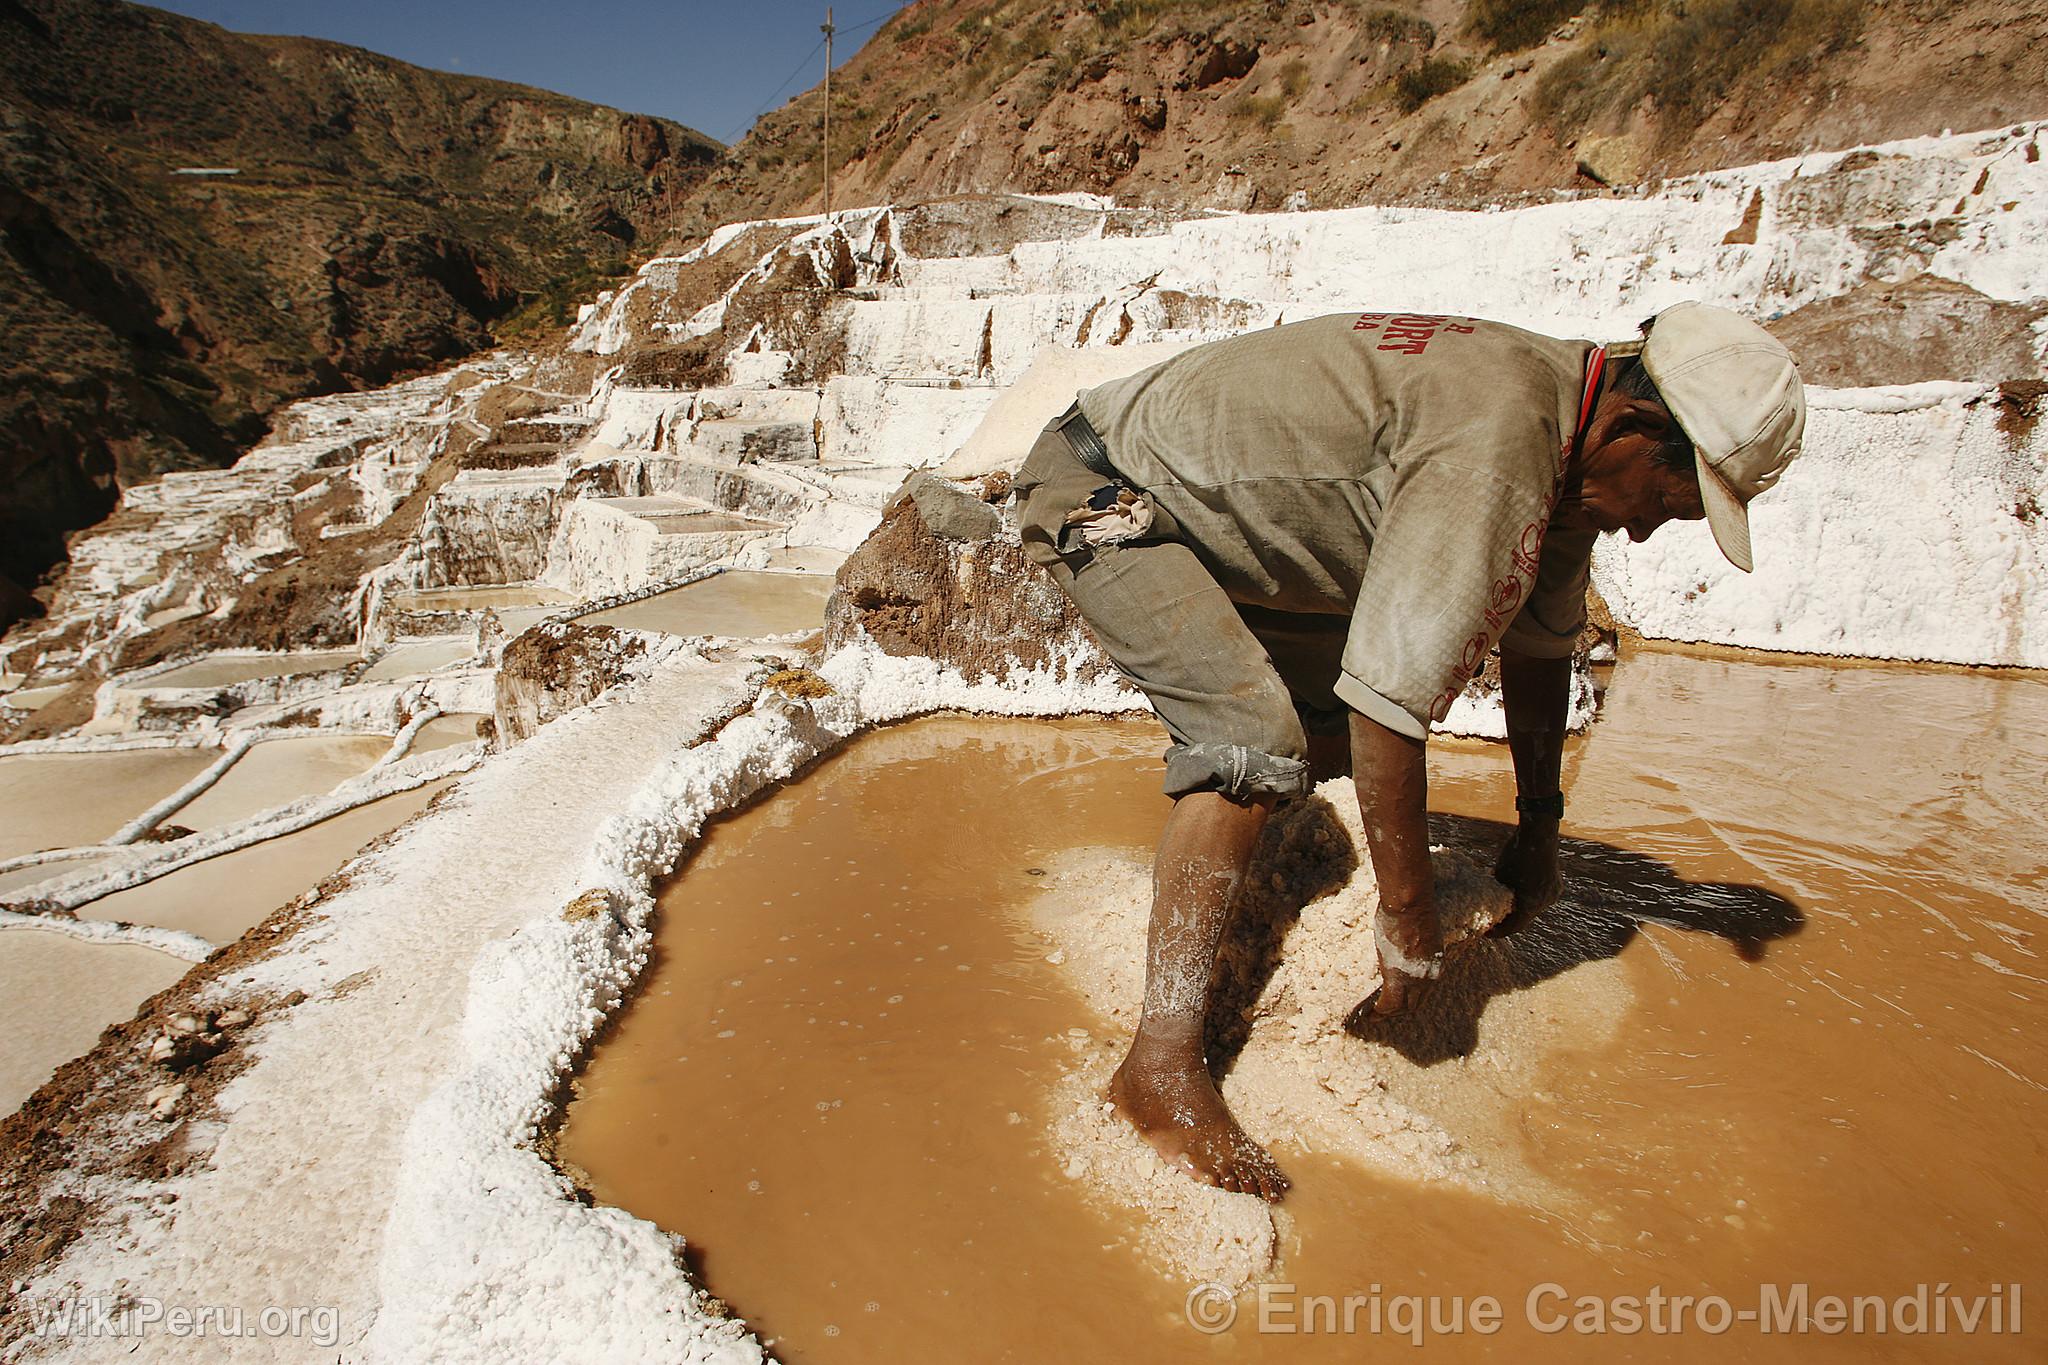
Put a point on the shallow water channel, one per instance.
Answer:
(1826, 886)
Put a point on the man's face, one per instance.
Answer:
(1619, 484)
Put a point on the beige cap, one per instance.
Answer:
(1733, 389)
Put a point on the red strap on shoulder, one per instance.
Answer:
(1596, 365)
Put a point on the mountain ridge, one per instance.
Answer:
(381, 218)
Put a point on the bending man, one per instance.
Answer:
(1304, 541)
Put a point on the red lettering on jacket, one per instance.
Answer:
(1407, 333)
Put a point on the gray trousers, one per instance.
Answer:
(1238, 686)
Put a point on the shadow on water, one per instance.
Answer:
(1609, 893)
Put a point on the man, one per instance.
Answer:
(1303, 542)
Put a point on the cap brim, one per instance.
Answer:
(1727, 517)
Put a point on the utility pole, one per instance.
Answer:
(826, 27)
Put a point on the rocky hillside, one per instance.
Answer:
(1324, 103)
(380, 219)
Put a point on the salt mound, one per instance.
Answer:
(1431, 1097)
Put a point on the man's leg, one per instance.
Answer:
(1307, 651)
(1328, 756)
(1164, 1087)
(1237, 746)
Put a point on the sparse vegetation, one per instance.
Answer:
(1420, 84)
(1128, 18)
(1267, 109)
(1687, 58)
(1698, 52)
(1510, 25)
(916, 28)
(554, 304)
(1389, 25)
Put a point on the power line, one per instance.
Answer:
(769, 103)
(869, 23)
(790, 79)
(828, 30)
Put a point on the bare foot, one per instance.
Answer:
(1175, 1107)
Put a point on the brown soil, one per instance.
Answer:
(1239, 106)
(2019, 407)
(557, 667)
(1926, 328)
(60, 715)
(979, 606)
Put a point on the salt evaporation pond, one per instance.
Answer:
(806, 558)
(406, 660)
(446, 731)
(276, 772)
(497, 596)
(705, 523)
(672, 516)
(738, 603)
(222, 898)
(227, 669)
(834, 1080)
(63, 800)
(57, 993)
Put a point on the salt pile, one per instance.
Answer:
(1427, 1098)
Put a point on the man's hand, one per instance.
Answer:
(1393, 788)
(1528, 867)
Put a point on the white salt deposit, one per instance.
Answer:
(1908, 529)
(1298, 962)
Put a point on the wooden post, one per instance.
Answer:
(828, 30)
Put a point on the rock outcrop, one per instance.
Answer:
(944, 578)
(555, 668)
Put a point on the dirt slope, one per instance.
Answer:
(1335, 102)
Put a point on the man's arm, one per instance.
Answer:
(1535, 693)
(1392, 777)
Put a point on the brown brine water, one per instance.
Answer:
(1825, 887)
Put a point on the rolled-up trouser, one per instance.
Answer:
(1237, 686)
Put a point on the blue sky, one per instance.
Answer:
(711, 64)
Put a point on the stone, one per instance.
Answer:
(1618, 160)
(951, 511)
(163, 1101)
